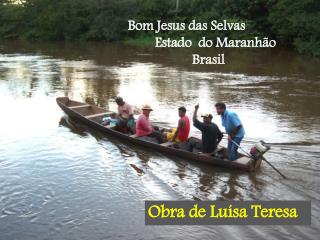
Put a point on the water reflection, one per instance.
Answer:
(74, 128)
(75, 171)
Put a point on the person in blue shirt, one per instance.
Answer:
(234, 129)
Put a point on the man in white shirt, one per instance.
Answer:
(125, 116)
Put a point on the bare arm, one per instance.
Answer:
(181, 124)
(235, 131)
(195, 112)
(236, 122)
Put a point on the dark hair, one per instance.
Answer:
(220, 105)
(119, 99)
(182, 109)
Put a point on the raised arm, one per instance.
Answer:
(195, 112)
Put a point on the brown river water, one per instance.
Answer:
(61, 180)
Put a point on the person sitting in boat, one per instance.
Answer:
(144, 127)
(181, 133)
(234, 129)
(125, 116)
(211, 135)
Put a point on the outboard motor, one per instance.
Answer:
(259, 149)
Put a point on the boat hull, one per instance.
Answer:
(70, 108)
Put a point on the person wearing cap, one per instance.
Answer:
(234, 129)
(211, 135)
(144, 127)
(125, 115)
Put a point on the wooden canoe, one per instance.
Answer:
(92, 116)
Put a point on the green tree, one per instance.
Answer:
(296, 23)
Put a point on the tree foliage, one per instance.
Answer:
(294, 23)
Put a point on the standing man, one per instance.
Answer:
(234, 129)
(125, 116)
(211, 135)
(183, 129)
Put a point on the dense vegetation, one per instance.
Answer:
(294, 23)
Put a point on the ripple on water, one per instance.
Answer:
(60, 180)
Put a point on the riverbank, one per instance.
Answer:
(74, 20)
(141, 41)
(150, 41)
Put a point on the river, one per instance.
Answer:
(61, 180)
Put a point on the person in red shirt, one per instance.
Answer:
(183, 129)
(144, 127)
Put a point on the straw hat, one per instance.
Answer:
(146, 107)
